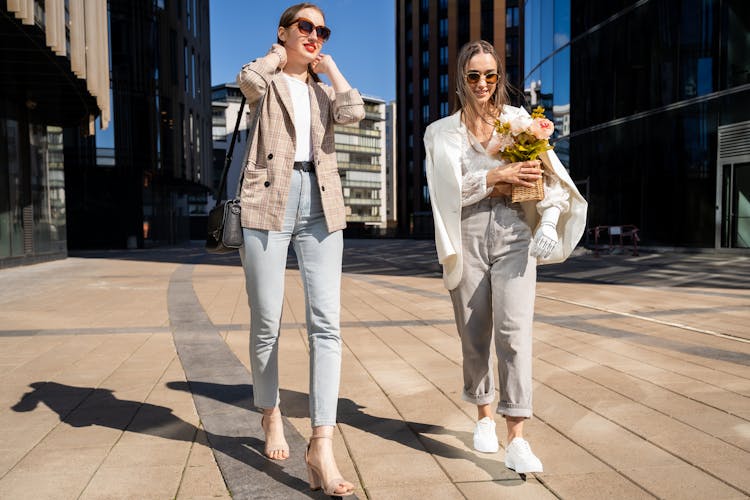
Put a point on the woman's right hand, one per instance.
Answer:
(523, 173)
(280, 52)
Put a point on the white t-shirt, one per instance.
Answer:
(301, 106)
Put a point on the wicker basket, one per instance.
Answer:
(523, 193)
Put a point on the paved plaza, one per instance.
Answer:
(126, 375)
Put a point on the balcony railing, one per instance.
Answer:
(361, 201)
(362, 218)
(347, 148)
(360, 184)
(362, 132)
(344, 165)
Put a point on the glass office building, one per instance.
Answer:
(651, 101)
(54, 76)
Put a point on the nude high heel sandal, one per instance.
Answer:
(315, 478)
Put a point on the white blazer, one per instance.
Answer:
(443, 149)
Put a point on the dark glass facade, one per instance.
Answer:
(138, 182)
(42, 94)
(639, 91)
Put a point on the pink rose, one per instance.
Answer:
(542, 128)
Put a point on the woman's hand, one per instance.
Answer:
(324, 64)
(280, 52)
(523, 173)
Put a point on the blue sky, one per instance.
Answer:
(362, 42)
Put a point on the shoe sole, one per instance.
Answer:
(522, 471)
(486, 450)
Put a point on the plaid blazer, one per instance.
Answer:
(269, 161)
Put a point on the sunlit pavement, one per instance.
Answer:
(125, 375)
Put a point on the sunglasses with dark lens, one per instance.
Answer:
(305, 26)
(474, 77)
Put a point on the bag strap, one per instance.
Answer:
(230, 151)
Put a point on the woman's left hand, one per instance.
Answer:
(323, 63)
(524, 173)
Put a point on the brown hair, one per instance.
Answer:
(289, 16)
(465, 99)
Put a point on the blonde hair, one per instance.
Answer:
(466, 101)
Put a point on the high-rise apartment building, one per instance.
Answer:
(226, 100)
(651, 102)
(429, 34)
(361, 156)
(54, 76)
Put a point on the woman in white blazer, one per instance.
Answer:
(489, 247)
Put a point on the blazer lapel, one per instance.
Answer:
(282, 89)
(316, 124)
(453, 143)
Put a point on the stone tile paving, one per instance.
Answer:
(642, 385)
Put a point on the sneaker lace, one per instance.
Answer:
(524, 448)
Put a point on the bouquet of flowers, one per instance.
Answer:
(522, 139)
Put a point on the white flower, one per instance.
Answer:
(520, 124)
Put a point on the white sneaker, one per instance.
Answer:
(520, 458)
(485, 439)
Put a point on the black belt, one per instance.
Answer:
(305, 166)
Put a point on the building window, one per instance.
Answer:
(511, 17)
(192, 71)
(444, 28)
(188, 13)
(197, 20)
(426, 113)
(425, 58)
(444, 84)
(444, 55)
(425, 31)
(187, 66)
(173, 55)
(425, 86)
(444, 109)
(511, 46)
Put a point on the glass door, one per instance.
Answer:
(735, 230)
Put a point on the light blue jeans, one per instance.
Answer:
(319, 254)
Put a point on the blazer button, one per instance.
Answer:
(322, 188)
(267, 183)
(270, 156)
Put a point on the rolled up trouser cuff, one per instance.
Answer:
(510, 410)
(482, 399)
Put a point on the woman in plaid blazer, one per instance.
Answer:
(291, 192)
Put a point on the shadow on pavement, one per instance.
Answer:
(88, 406)
(295, 404)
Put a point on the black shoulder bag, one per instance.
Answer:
(224, 220)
